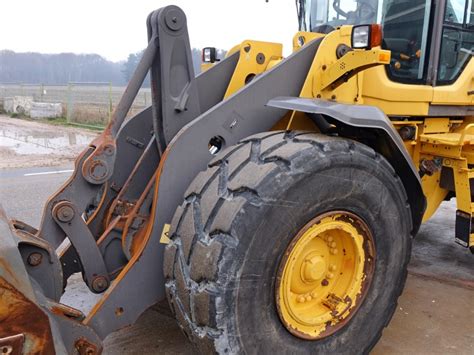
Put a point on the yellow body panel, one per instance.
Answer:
(458, 92)
(352, 61)
(206, 66)
(326, 58)
(395, 98)
(434, 193)
(301, 38)
(255, 58)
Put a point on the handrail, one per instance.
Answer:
(463, 134)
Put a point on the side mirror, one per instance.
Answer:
(209, 55)
(453, 43)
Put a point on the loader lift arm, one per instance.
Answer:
(99, 221)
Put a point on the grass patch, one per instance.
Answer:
(18, 115)
(60, 121)
(56, 121)
(96, 128)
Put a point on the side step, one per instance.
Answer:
(453, 158)
(464, 233)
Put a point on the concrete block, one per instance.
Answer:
(45, 110)
(18, 104)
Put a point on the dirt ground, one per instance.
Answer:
(34, 144)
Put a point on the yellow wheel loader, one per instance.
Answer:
(271, 200)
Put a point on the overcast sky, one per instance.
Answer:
(114, 29)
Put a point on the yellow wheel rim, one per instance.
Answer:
(325, 274)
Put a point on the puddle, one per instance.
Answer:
(33, 142)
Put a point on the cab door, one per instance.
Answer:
(455, 72)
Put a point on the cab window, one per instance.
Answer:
(406, 33)
(457, 42)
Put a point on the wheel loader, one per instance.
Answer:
(272, 201)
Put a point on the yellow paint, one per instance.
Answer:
(206, 66)
(434, 194)
(255, 58)
(302, 38)
(392, 97)
(233, 50)
(436, 125)
(325, 58)
(347, 64)
(165, 237)
(453, 142)
(461, 174)
(323, 270)
(457, 93)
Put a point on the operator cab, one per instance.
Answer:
(424, 50)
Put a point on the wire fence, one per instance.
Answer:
(82, 103)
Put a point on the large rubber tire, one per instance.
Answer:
(239, 216)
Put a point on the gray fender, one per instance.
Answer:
(385, 140)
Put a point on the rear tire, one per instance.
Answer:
(240, 215)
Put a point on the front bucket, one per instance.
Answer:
(24, 326)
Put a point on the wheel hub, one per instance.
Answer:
(324, 275)
(313, 268)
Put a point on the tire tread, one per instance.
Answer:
(197, 250)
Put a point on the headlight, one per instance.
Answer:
(366, 36)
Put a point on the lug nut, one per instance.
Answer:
(308, 298)
(332, 267)
(330, 275)
(330, 239)
(34, 259)
(314, 294)
(301, 299)
(333, 244)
